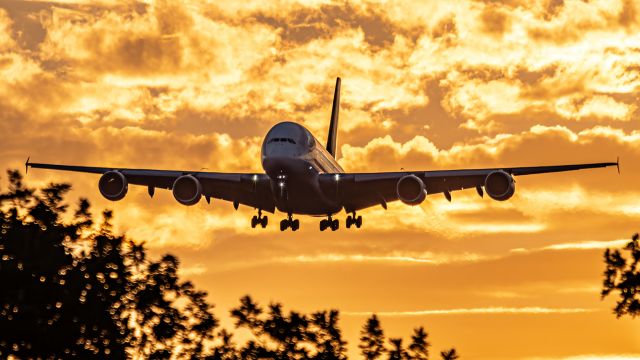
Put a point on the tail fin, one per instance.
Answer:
(333, 127)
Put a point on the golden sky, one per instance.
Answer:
(435, 85)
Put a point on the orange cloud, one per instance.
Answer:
(490, 310)
(433, 85)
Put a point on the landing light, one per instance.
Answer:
(255, 177)
(281, 184)
(337, 177)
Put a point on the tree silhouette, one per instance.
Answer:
(397, 352)
(623, 275)
(289, 336)
(72, 288)
(372, 339)
(419, 347)
(451, 354)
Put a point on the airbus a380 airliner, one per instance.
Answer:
(303, 177)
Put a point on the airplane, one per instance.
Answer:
(302, 177)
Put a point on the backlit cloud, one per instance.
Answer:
(195, 85)
(475, 311)
(582, 245)
(590, 357)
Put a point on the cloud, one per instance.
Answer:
(536, 145)
(533, 310)
(6, 40)
(426, 86)
(598, 107)
(393, 257)
(193, 270)
(591, 357)
(581, 245)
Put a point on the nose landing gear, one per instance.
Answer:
(289, 222)
(354, 220)
(334, 224)
(259, 220)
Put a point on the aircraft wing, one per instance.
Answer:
(240, 188)
(362, 190)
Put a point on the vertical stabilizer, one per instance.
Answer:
(333, 126)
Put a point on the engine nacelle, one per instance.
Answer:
(499, 185)
(187, 190)
(411, 190)
(113, 185)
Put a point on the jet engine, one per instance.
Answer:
(113, 185)
(500, 185)
(411, 190)
(187, 190)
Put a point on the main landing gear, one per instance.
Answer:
(289, 222)
(334, 224)
(259, 220)
(354, 220)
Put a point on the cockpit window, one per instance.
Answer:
(282, 140)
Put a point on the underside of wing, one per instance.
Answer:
(188, 187)
(360, 191)
(357, 191)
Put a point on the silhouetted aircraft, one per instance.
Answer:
(303, 177)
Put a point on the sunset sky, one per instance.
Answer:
(440, 85)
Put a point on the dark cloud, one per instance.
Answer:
(628, 16)
(578, 20)
(188, 86)
(302, 24)
(553, 8)
(495, 20)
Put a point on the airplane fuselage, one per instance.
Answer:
(293, 158)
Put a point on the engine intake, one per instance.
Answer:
(411, 190)
(187, 190)
(499, 185)
(113, 185)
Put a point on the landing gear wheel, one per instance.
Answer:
(324, 224)
(289, 222)
(259, 220)
(354, 220)
(335, 224)
(349, 221)
(284, 224)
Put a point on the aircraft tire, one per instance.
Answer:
(335, 225)
(284, 224)
(323, 224)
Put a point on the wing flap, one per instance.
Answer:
(248, 189)
(362, 190)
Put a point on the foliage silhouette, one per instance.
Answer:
(450, 354)
(72, 288)
(623, 275)
(419, 347)
(397, 352)
(277, 335)
(372, 339)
